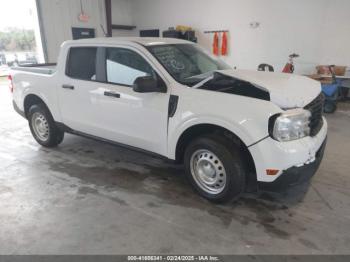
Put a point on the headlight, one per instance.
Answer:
(291, 125)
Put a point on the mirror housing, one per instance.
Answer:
(147, 84)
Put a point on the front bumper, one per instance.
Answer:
(295, 175)
(288, 156)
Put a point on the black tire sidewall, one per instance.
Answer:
(228, 153)
(55, 135)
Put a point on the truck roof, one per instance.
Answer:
(146, 41)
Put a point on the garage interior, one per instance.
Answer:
(87, 197)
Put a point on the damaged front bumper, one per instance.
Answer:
(295, 160)
(296, 175)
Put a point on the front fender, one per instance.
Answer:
(248, 137)
(245, 117)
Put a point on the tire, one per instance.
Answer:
(215, 168)
(330, 107)
(43, 127)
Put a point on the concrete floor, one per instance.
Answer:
(86, 197)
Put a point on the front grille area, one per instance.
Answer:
(316, 109)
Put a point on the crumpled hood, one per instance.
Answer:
(286, 90)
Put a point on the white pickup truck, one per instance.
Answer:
(233, 129)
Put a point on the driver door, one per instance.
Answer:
(135, 119)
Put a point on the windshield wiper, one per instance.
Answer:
(215, 76)
(201, 83)
(204, 75)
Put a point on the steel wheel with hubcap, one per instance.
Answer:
(214, 167)
(43, 127)
(40, 126)
(208, 171)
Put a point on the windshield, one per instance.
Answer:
(187, 63)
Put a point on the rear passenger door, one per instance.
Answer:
(76, 95)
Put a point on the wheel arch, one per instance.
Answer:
(30, 100)
(197, 130)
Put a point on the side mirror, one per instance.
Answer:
(147, 84)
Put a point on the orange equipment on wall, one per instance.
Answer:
(224, 50)
(216, 44)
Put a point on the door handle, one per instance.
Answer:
(112, 94)
(68, 87)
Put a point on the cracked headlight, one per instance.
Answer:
(290, 125)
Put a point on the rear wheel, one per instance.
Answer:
(215, 169)
(43, 127)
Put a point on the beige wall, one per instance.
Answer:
(318, 30)
(59, 16)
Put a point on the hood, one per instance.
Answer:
(286, 90)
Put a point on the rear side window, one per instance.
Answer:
(82, 63)
(123, 66)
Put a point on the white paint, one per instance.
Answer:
(270, 153)
(316, 29)
(141, 119)
(286, 90)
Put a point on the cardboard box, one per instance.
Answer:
(324, 70)
(322, 79)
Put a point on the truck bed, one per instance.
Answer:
(46, 69)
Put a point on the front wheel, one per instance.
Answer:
(215, 169)
(43, 127)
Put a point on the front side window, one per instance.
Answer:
(123, 66)
(187, 63)
(82, 63)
